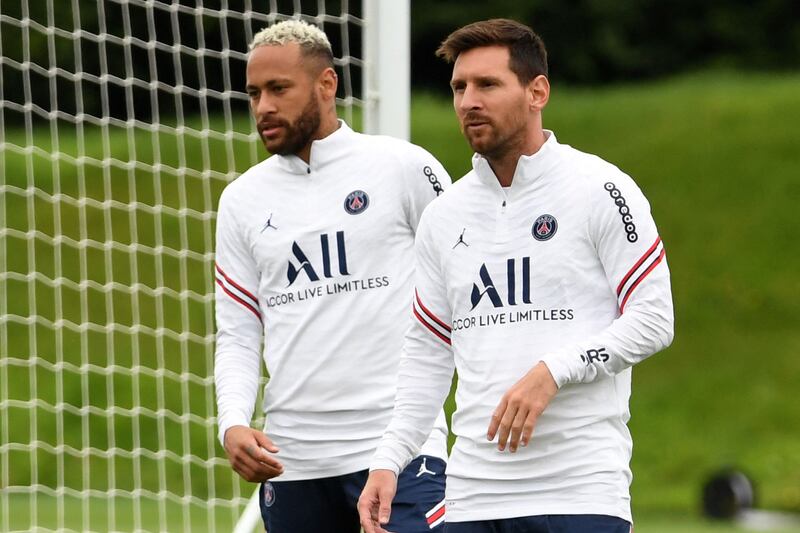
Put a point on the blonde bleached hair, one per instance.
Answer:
(312, 40)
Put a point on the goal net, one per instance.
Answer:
(121, 121)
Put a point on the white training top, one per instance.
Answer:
(318, 260)
(566, 267)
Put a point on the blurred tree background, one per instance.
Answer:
(589, 42)
(606, 41)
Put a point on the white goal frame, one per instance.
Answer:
(106, 248)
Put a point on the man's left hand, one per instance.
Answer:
(520, 407)
(375, 503)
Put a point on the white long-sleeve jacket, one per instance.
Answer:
(564, 266)
(317, 259)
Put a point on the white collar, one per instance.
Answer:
(529, 167)
(323, 151)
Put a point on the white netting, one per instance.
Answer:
(120, 123)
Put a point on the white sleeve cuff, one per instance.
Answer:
(562, 372)
(391, 455)
(384, 464)
(225, 426)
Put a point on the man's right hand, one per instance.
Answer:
(247, 452)
(375, 503)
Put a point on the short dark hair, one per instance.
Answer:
(528, 55)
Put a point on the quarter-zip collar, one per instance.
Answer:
(529, 167)
(323, 151)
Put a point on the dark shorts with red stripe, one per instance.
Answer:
(329, 504)
(580, 523)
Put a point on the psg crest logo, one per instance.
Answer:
(356, 202)
(269, 494)
(544, 227)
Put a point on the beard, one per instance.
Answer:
(297, 134)
(493, 141)
(484, 143)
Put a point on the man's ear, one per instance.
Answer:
(328, 82)
(538, 92)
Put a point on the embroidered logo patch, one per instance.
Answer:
(269, 494)
(544, 228)
(356, 202)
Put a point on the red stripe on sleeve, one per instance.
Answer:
(641, 278)
(229, 280)
(636, 266)
(431, 328)
(244, 303)
(431, 315)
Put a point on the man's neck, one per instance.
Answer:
(327, 126)
(504, 168)
(505, 165)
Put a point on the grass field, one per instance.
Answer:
(717, 154)
(184, 518)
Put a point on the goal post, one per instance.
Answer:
(121, 121)
(387, 89)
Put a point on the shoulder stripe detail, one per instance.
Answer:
(429, 320)
(643, 268)
(237, 293)
(435, 516)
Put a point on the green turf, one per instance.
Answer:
(717, 154)
(676, 522)
(109, 514)
(144, 515)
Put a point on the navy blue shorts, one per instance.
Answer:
(580, 523)
(329, 504)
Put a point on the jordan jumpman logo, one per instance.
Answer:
(461, 239)
(268, 224)
(423, 468)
